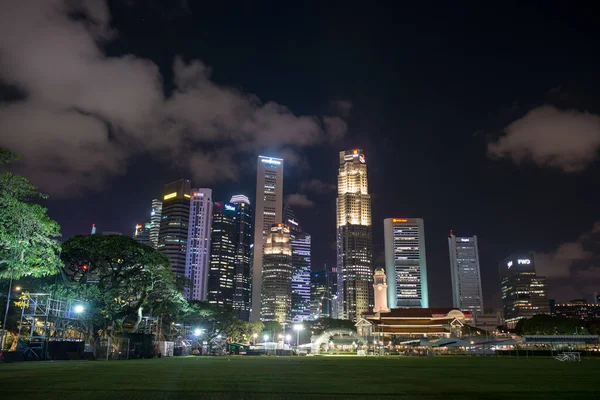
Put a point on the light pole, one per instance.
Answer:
(266, 337)
(298, 328)
(255, 336)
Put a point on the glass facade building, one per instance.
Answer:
(268, 211)
(223, 238)
(175, 215)
(406, 263)
(465, 273)
(243, 257)
(301, 265)
(354, 237)
(524, 294)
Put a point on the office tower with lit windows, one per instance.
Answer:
(276, 299)
(464, 271)
(221, 271)
(524, 294)
(142, 233)
(243, 253)
(155, 218)
(267, 211)
(354, 237)
(198, 248)
(301, 257)
(173, 235)
(405, 263)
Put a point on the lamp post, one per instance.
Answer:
(255, 336)
(266, 337)
(298, 328)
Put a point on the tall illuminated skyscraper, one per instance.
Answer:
(524, 293)
(198, 248)
(242, 295)
(269, 204)
(276, 299)
(155, 218)
(301, 259)
(354, 237)
(464, 271)
(173, 235)
(221, 271)
(405, 262)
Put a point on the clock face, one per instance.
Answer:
(379, 288)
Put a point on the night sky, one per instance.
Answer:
(478, 119)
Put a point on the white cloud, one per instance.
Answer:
(565, 139)
(299, 200)
(86, 114)
(573, 268)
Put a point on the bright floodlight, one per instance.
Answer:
(78, 308)
(197, 332)
(266, 337)
(255, 335)
(288, 337)
(298, 327)
(280, 336)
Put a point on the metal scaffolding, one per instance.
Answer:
(44, 319)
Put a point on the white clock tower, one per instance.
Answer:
(380, 290)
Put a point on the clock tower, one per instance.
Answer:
(380, 290)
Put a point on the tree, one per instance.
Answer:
(28, 245)
(548, 325)
(134, 279)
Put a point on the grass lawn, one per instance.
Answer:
(303, 378)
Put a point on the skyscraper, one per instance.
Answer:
(301, 257)
(464, 271)
(524, 294)
(242, 295)
(354, 237)
(405, 262)
(142, 233)
(221, 272)
(173, 235)
(269, 203)
(322, 292)
(198, 249)
(155, 218)
(276, 301)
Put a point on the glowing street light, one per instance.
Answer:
(197, 332)
(298, 328)
(287, 338)
(78, 308)
(18, 288)
(266, 337)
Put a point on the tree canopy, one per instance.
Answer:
(548, 325)
(28, 245)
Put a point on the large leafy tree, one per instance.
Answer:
(134, 280)
(28, 245)
(550, 325)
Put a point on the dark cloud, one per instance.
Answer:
(565, 139)
(573, 268)
(299, 200)
(317, 186)
(85, 114)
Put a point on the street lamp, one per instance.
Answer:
(255, 335)
(266, 337)
(78, 308)
(298, 328)
(197, 332)
(18, 288)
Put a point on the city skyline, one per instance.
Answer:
(450, 137)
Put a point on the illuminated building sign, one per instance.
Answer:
(229, 207)
(524, 261)
(291, 221)
(509, 264)
(399, 220)
(362, 158)
(187, 195)
(270, 161)
(170, 196)
(465, 239)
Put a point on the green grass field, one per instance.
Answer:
(303, 378)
